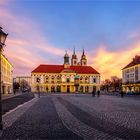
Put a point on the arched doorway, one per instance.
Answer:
(58, 88)
(52, 89)
(86, 89)
(81, 89)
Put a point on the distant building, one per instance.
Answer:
(20, 79)
(131, 76)
(24, 82)
(6, 75)
(77, 77)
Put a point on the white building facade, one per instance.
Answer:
(131, 76)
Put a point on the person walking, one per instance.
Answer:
(122, 94)
(93, 93)
(98, 93)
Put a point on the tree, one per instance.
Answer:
(116, 83)
(113, 84)
(24, 85)
(16, 86)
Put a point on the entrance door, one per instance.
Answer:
(68, 89)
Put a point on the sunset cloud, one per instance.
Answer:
(110, 63)
(27, 46)
(25, 43)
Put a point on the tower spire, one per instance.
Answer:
(74, 58)
(83, 52)
(66, 58)
(74, 50)
(83, 59)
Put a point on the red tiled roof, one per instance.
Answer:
(59, 68)
(134, 62)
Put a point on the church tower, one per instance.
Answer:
(74, 59)
(83, 59)
(66, 60)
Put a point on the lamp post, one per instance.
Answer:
(3, 36)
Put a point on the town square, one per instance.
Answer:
(69, 70)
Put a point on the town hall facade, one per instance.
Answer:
(66, 78)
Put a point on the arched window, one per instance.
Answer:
(81, 79)
(94, 80)
(47, 79)
(86, 79)
(52, 79)
(68, 80)
(38, 80)
(58, 79)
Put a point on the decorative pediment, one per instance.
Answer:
(68, 71)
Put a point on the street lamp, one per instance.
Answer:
(3, 36)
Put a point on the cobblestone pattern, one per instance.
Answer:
(78, 127)
(124, 112)
(101, 124)
(13, 102)
(40, 121)
(10, 117)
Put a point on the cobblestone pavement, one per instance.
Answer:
(78, 116)
(40, 121)
(13, 102)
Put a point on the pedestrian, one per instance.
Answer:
(38, 94)
(38, 89)
(14, 91)
(122, 94)
(98, 93)
(93, 93)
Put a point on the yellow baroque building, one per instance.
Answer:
(77, 77)
(6, 75)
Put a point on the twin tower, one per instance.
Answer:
(74, 59)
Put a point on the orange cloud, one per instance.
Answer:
(110, 63)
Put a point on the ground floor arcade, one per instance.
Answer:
(66, 88)
(131, 88)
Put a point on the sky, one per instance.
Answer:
(40, 31)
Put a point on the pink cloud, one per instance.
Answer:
(25, 43)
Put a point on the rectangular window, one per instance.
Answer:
(136, 73)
